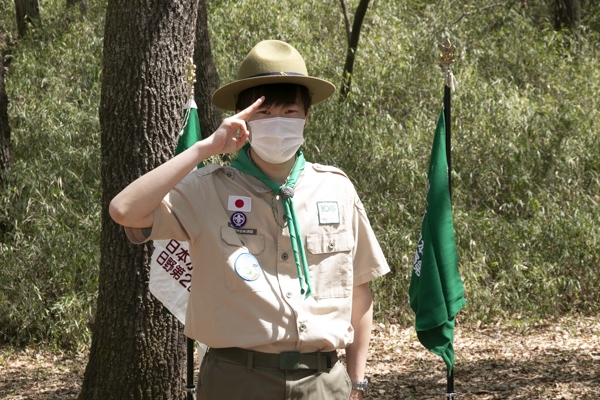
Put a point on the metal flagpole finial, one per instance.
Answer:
(190, 71)
(190, 74)
(446, 59)
(447, 55)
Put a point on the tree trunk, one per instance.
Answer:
(207, 78)
(353, 37)
(5, 148)
(26, 11)
(567, 14)
(138, 349)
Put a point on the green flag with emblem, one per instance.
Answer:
(436, 290)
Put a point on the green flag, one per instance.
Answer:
(191, 128)
(436, 290)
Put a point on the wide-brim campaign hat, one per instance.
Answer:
(272, 61)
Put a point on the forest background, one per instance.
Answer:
(526, 159)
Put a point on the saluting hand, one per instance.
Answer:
(135, 205)
(232, 134)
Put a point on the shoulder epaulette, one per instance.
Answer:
(328, 168)
(206, 170)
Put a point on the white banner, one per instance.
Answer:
(171, 275)
(171, 279)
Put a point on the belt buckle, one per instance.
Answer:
(289, 360)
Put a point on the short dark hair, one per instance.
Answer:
(276, 94)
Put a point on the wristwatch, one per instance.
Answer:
(361, 385)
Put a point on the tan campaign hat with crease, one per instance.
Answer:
(272, 61)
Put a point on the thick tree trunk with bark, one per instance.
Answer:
(26, 11)
(567, 14)
(5, 147)
(207, 78)
(138, 348)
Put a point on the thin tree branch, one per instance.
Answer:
(359, 15)
(346, 20)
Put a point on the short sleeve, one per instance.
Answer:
(138, 235)
(369, 260)
(180, 215)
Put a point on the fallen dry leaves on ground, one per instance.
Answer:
(35, 373)
(540, 361)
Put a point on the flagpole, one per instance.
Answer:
(190, 388)
(446, 59)
(448, 119)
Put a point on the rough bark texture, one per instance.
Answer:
(26, 11)
(359, 16)
(5, 147)
(567, 14)
(138, 348)
(207, 78)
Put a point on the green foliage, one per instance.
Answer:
(525, 116)
(525, 158)
(526, 168)
(49, 213)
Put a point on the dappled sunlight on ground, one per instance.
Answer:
(538, 361)
(36, 373)
(542, 361)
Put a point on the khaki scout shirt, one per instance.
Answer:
(269, 314)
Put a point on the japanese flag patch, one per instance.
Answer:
(239, 203)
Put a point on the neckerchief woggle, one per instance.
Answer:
(244, 164)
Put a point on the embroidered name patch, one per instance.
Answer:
(242, 231)
(329, 212)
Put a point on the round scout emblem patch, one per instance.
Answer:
(238, 219)
(246, 266)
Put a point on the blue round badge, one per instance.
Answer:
(246, 266)
(238, 219)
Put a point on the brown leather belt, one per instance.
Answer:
(288, 360)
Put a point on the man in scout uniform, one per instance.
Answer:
(282, 249)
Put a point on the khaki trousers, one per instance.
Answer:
(223, 380)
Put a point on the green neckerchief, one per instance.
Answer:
(244, 164)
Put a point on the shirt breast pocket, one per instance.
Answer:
(329, 256)
(243, 258)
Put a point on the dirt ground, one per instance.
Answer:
(559, 360)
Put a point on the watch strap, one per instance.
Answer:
(361, 385)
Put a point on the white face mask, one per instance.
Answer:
(276, 140)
